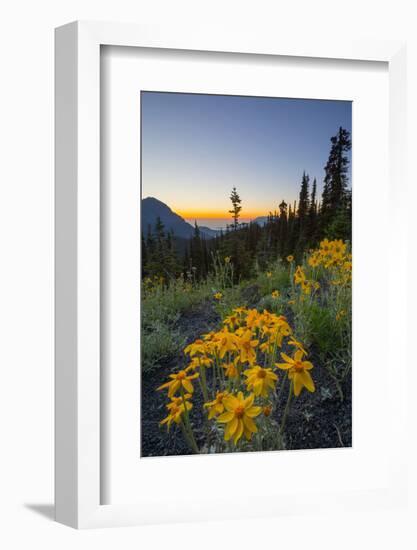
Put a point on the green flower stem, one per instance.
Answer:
(200, 384)
(286, 410)
(274, 351)
(204, 380)
(187, 437)
(187, 426)
(214, 381)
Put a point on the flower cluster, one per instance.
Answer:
(237, 370)
(334, 256)
(306, 285)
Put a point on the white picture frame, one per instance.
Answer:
(77, 242)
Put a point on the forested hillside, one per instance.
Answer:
(173, 249)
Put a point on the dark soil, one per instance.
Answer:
(157, 441)
(316, 420)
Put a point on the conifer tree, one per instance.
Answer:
(197, 254)
(236, 208)
(335, 196)
(283, 228)
(303, 203)
(312, 215)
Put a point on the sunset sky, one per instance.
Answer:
(195, 148)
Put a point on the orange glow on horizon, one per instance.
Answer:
(210, 215)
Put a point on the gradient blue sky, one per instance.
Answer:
(195, 148)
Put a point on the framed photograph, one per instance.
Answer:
(222, 210)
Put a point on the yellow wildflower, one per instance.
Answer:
(176, 401)
(239, 416)
(176, 409)
(227, 260)
(260, 380)
(290, 258)
(275, 294)
(230, 370)
(299, 275)
(338, 249)
(179, 380)
(297, 344)
(267, 346)
(246, 347)
(197, 347)
(306, 287)
(218, 296)
(253, 318)
(232, 321)
(314, 260)
(325, 246)
(199, 361)
(225, 341)
(298, 371)
(269, 274)
(216, 407)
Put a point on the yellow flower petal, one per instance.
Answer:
(307, 381)
(283, 366)
(231, 402)
(239, 431)
(250, 424)
(231, 428)
(249, 401)
(253, 411)
(298, 355)
(174, 387)
(226, 417)
(164, 386)
(187, 385)
(287, 359)
(298, 384)
(247, 433)
(257, 386)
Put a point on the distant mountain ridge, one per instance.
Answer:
(261, 220)
(152, 209)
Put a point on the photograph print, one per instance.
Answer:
(246, 274)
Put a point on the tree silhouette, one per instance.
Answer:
(236, 208)
(335, 196)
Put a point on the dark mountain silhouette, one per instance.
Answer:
(153, 208)
(261, 220)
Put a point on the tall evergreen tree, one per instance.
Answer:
(304, 201)
(312, 215)
(283, 228)
(236, 208)
(335, 197)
